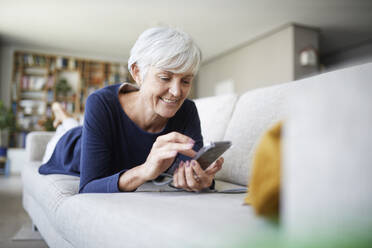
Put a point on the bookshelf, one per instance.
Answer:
(38, 80)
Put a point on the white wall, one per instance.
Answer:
(268, 60)
(18, 158)
(6, 57)
(356, 55)
(265, 61)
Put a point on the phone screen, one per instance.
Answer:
(211, 152)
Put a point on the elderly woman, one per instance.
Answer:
(134, 133)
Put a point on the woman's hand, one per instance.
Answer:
(163, 152)
(191, 177)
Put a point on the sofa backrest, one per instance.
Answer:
(254, 113)
(326, 175)
(215, 114)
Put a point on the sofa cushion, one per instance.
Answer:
(215, 113)
(327, 152)
(48, 190)
(142, 218)
(158, 219)
(36, 143)
(254, 113)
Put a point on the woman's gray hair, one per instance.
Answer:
(165, 48)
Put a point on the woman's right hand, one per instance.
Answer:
(163, 152)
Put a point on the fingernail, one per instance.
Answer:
(191, 141)
(193, 163)
(190, 145)
(187, 164)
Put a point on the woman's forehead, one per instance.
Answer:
(174, 72)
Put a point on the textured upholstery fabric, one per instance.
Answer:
(327, 154)
(254, 113)
(140, 219)
(46, 227)
(215, 114)
(154, 219)
(327, 158)
(49, 191)
(36, 143)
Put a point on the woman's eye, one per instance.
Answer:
(165, 78)
(186, 81)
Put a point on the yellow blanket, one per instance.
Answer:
(264, 186)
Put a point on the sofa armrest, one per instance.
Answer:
(36, 143)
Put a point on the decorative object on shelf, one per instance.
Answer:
(308, 56)
(62, 87)
(47, 124)
(6, 123)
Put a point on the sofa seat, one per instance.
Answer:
(182, 218)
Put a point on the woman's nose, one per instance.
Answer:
(175, 88)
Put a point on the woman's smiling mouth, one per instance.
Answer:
(167, 100)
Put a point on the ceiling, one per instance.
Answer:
(109, 28)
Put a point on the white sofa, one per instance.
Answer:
(325, 177)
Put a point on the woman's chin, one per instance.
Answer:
(167, 113)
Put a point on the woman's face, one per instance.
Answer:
(164, 91)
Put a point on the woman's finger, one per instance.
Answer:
(205, 179)
(197, 169)
(166, 155)
(185, 149)
(193, 181)
(181, 176)
(215, 167)
(174, 137)
(175, 178)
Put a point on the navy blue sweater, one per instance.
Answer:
(110, 143)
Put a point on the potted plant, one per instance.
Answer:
(6, 123)
(62, 87)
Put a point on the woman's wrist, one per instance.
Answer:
(143, 170)
(132, 179)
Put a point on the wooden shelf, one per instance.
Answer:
(29, 78)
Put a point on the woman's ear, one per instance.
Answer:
(136, 73)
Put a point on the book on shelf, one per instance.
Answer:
(50, 96)
(50, 82)
(33, 83)
(33, 95)
(31, 107)
(36, 71)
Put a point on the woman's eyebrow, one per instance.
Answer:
(165, 72)
(171, 73)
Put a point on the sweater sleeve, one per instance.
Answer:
(96, 174)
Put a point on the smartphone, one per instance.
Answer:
(211, 152)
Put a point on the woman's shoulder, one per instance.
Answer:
(188, 105)
(106, 92)
(104, 100)
(107, 95)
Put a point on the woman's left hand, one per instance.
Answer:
(191, 177)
